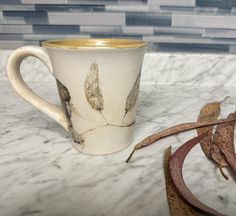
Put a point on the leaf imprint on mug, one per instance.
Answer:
(133, 96)
(92, 89)
(68, 108)
(65, 99)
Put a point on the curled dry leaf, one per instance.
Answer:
(92, 89)
(217, 157)
(230, 158)
(176, 165)
(178, 206)
(208, 112)
(133, 96)
(175, 130)
(224, 138)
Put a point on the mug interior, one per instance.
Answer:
(94, 43)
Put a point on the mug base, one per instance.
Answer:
(100, 154)
(105, 140)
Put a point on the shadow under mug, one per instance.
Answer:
(98, 83)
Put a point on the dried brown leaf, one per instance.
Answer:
(178, 206)
(208, 112)
(175, 130)
(176, 165)
(92, 88)
(217, 156)
(230, 158)
(224, 138)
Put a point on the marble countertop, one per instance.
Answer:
(42, 175)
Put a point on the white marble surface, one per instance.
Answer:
(42, 175)
(161, 68)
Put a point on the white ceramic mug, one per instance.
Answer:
(98, 83)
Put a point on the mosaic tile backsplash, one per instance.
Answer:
(168, 25)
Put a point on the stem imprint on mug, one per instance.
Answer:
(68, 108)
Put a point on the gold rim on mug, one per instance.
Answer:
(94, 43)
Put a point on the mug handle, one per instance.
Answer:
(15, 78)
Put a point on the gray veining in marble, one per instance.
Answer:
(41, 174)
(161, 68)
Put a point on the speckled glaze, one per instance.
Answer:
(98, 88)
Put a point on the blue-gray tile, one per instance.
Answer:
(161, 19)
(189, 40)
(208, 26)
(63, 7)
(55, 29)
(11, 19)
(216, 3)
(10, 2)
(25, 17)
(219, 33)
(171, 9)
(101, 29)
(193, 48)
(11, 36)
(16, 29)
(98, 18)
(138, 37)
(44, 1)
(203, 21)
(152, 47)
(17, 7)
(179, 39)
(15, 44)
(233, 11)
(190, 3)
(232, 49)
(212, 10)
(160, 30)
(230, 41)
(129, 7)
(132, 2)
(192, 10)
(93, 2)
(43, 37)
(138, 30)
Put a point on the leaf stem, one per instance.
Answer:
(131, 154)
(222, 101)
(222, 172)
